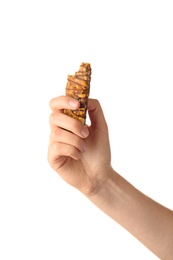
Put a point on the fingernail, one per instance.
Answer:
(85, 131)
(73, 102)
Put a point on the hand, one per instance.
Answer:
(80, 154)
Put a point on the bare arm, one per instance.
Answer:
(82, 157)
(147, 220)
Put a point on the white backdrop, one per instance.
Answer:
(129, 45)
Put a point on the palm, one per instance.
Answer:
(81, 173)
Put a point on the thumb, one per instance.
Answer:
(96, 114)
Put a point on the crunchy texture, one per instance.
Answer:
(78, 87)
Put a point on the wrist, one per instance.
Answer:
(102, 189)
(112, 196)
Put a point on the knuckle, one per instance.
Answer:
(55, 147)
(51, 103)
(52, 150)
(49, 154)
(55, 132)
(51, 118)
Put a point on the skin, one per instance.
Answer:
(81, 155)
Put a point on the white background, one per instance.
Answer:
(129, 45)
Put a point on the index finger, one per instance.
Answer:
(64, 102)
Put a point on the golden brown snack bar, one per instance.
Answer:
(78, 87)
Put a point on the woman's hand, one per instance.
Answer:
(80, 154)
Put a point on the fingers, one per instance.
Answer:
(58, 153)
(67, 134)
(64, 144)
(59, 119)
(62, 136)
(64, 102)
(70, 124)
(67, 137)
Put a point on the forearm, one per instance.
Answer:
(145, 219)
